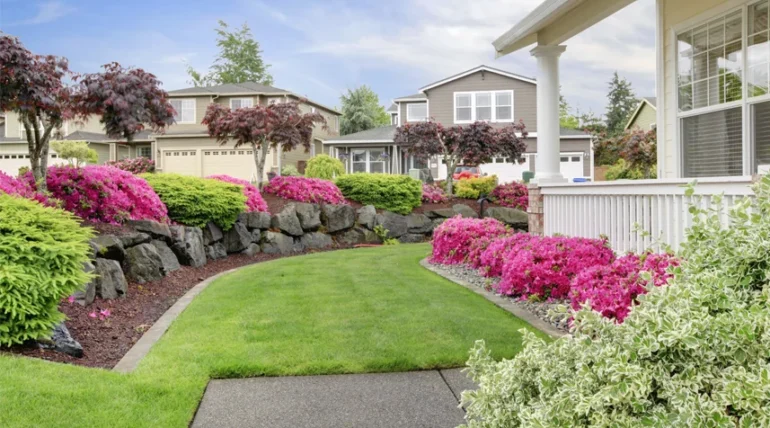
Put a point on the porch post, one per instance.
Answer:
(394, 161)
(548, 132)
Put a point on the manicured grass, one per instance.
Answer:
(353, 311)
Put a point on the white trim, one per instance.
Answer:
(410, 118)
(250, 100)
(398, 111)
(401, 100)
(493, 106)
(474, 70)
(724, 8)
(637, 111)
(181, 107)
(660, 87)
(340, 142)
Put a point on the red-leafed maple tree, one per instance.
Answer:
(473, 144)
(280, 126)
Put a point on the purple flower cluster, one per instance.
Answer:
(303, 189)
(135, 166)
(432, 194)
(511, 195)
(254, 200)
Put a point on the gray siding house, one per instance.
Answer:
(481, 93)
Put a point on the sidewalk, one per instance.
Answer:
(412, 399)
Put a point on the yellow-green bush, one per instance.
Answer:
(42, 252)
(472, 188)
(194, 201)
(325, 167)
(397, 193)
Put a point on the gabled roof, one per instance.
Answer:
(477, 69)
(393, 108)
(98, 137)
(651, 101)
(414, 97)
(383, 134)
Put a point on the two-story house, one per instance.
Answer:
(185, 147)
(481, 93)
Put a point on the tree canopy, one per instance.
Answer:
(239, 60)
(621, 104)
(361, 110)
(566, 118)
(77, 153)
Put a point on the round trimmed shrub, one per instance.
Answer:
(324, 167)
(104, 194)
(290, 171)
(42, 252)
(303, 189)
(254, 200)
(473, 188)
(195, 201)
(397, 193)
(511, 195)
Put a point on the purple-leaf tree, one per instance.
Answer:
(640, 149)
(127, 99)
(280, 126)
(31, 86)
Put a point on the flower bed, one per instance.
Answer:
(453, 238)
(254, 201)
(511, 195)
(302, 189)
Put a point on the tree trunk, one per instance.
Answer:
(450, 167)
(260, 155)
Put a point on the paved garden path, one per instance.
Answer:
(412, 399)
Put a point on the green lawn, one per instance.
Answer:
(352, 311)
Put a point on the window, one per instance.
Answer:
(237, 103)
(369, 160)
(185, 110)
(712, 144)
(145, 152)
(491, 106)
(416, 112)
(359, 158)
(761, 119)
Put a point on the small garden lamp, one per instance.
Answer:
(482, 200)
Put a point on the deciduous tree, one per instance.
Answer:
(361, 110)
(77, 153)
(280, 126)
(640, 150)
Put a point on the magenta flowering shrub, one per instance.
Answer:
(494, 256)
(135, 166)
(612, 289)
(511, 195)
(104, 194)
(303, 189)
(22, 188)
(254, 200)
(453, 238)
(432, 194)
(545, 267)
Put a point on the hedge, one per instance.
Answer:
(194, 201)
(324, 167)
(473, 188)
(397, 193)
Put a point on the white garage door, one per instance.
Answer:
(572, 165)
(10, 163)
(238, 163)
(183, 162)
(505, 171)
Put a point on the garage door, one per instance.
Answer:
(10, 163)
(506, 172)
(572, 165)
(180, 162)
(235, 163)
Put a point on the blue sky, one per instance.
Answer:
(320, 49)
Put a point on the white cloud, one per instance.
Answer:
(49, 11)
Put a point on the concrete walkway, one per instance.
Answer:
(413, 399)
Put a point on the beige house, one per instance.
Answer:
(185, 147)
(481, 93)
(645, 116)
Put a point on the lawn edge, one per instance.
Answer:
(499, 301)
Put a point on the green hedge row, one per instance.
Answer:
(398, 193)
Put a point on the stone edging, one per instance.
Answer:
(502, 302)
(142, 347)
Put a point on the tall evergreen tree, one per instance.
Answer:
(621, 104)
(239, 60)
(361, 110)
(566, 118)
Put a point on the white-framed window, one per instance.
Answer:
(490, 106)
(416, 112)
(373, 160)
(236, 103)
(145, 152)
(185, 110)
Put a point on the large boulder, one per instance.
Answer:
(287, 222)
(251, 250)
(277, 243)
(358, 235)
(86, 296)
(316, 241)
(412, 238)
(62, 341)
(309, 216)
(441, 213)
(212, 233)
(167, 256)
(109, 283)
(187, 244)
(109, 247)
(418, 223)
(216, 251)
(143, 264)
(517, 219)
(465, 211)
(134, 238)
(152, 228)
(338, 217)
(258, 220)
(396, 224)
(366, 216)
(237, 238)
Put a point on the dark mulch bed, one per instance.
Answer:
(105, 342)
(108, 229)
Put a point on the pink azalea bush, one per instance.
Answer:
(511, 195)
(22, 188)
(104, 194)
(545, 267)
(254, 201)
(135, 166)
(432, 194)
(303, 189)
(453, 238)
(612, 289)
(499, 250)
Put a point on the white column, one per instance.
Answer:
(548, 132)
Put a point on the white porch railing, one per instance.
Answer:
(613, 208)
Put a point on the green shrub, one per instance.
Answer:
(621, 171)
(42, 252)
(693, 353)
(325, 167)
(472, 188)
(194, 201)
(398, 193)
(290, 171)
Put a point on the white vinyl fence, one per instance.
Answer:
(613, 208)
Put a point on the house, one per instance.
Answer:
(481, 93)
(712, 115)
(185, 147)
(645, 116)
